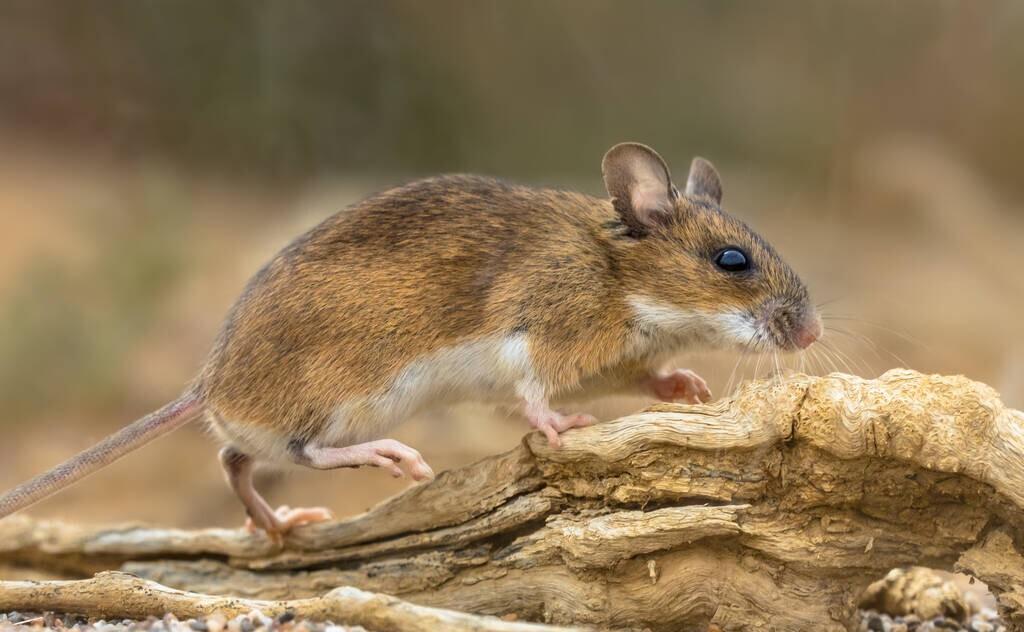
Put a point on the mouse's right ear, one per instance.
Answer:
(640, 185)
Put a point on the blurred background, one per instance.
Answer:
(154, 154)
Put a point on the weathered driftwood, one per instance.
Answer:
(772, 509)
(123, 595)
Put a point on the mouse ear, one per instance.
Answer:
(639, 183)
(704, 181)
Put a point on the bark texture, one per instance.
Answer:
(772, 509)
(117, 594)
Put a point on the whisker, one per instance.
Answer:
(828, 358)
(732, 375)
(823, 304)
(873, 348)
(904, 336)
(744, 354)
(878, 349)
(830, 355)
(839, 355)
(856, 361)
(819, 359)
(757, 367)
(731, 385)
(814, 356)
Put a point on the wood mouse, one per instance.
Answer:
(465, 288)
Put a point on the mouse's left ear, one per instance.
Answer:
(640, 185)
(704, 181)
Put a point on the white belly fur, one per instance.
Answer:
(488, 370)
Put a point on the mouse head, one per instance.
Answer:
(694, 272)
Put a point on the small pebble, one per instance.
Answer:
(197, 625)
(285, 617)
(877, 624)
(260, 619)
(215, 622)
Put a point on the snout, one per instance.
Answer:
(805, 335)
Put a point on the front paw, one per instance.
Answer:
(680, 385)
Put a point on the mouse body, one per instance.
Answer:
(466, 288)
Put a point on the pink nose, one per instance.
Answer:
(806, 335)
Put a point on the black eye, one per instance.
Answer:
(732, 260)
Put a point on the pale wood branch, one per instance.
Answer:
(120, 595)
(776, 506)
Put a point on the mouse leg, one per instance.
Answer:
(679, 385)
(238, 468)
(551, 422)
(386, 453)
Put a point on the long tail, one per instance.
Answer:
(129, 438)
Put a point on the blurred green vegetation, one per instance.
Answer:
(67, 327)
(523, 88)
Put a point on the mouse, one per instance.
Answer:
(463, 288)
